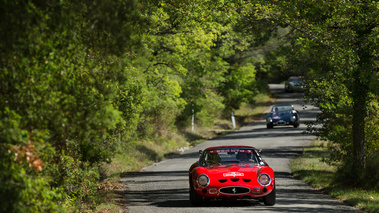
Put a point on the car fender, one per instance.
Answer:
(269, 171)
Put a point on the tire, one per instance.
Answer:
(296, 125)
(196, 200)
(270, 126)
(270, 199)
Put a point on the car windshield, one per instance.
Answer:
(295, 78)
(281, 108)
(229, 156)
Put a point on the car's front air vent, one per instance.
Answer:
(234, 190)
(234, 179)
(222, 180)
(246, 180)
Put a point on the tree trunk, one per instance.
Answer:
(361, 77)
(359, 133)
(360, 93)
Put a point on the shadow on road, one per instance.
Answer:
(304, 197)
(283, 152)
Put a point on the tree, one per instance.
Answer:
(59, 80)
(345, 32)
(194, 43)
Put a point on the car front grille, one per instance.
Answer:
(234, 190)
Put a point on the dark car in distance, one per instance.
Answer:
(294, 84)
(282, 115)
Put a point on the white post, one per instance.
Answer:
(233, 121)
(193, 120)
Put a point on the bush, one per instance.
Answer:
(24, 188)
(23, 192)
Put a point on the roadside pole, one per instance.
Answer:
(233, 121)
(193, 120)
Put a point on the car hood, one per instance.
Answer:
(234, 170)
(282, 115)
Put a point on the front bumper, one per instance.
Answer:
(234, 192)
(281, 123)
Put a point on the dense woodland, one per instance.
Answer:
(80, 79)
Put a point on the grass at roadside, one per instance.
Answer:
(311, 168)
(246, 114)
(133, 157)
(251, 112)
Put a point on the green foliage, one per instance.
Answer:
(80, 79)
(336, 106)
(211, 110)
(240, 86)
(194, 43)
(24, 189)
(335, 46)
(372, 130)
(78, 178)
(311, 168)
(58, 87)
(25, 193)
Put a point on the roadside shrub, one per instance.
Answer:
(368, 180)
(23, 192)
(211, 109)
(372, 171)
(24, 188)
(336, 117)
(78, 179)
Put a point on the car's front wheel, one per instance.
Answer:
(296, 125)
(270, 199)
(270, 126)
(196, 200)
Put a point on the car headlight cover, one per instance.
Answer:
(264, 179)
(293, 118)
(203, 180)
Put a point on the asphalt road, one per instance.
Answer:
(163, 187)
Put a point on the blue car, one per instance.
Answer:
(283, 115)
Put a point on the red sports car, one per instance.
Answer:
(231, 172)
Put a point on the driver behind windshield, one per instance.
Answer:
(213, 158)
(244, 157)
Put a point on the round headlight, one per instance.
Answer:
(293, 118)
(264, 179)
(203, 180)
